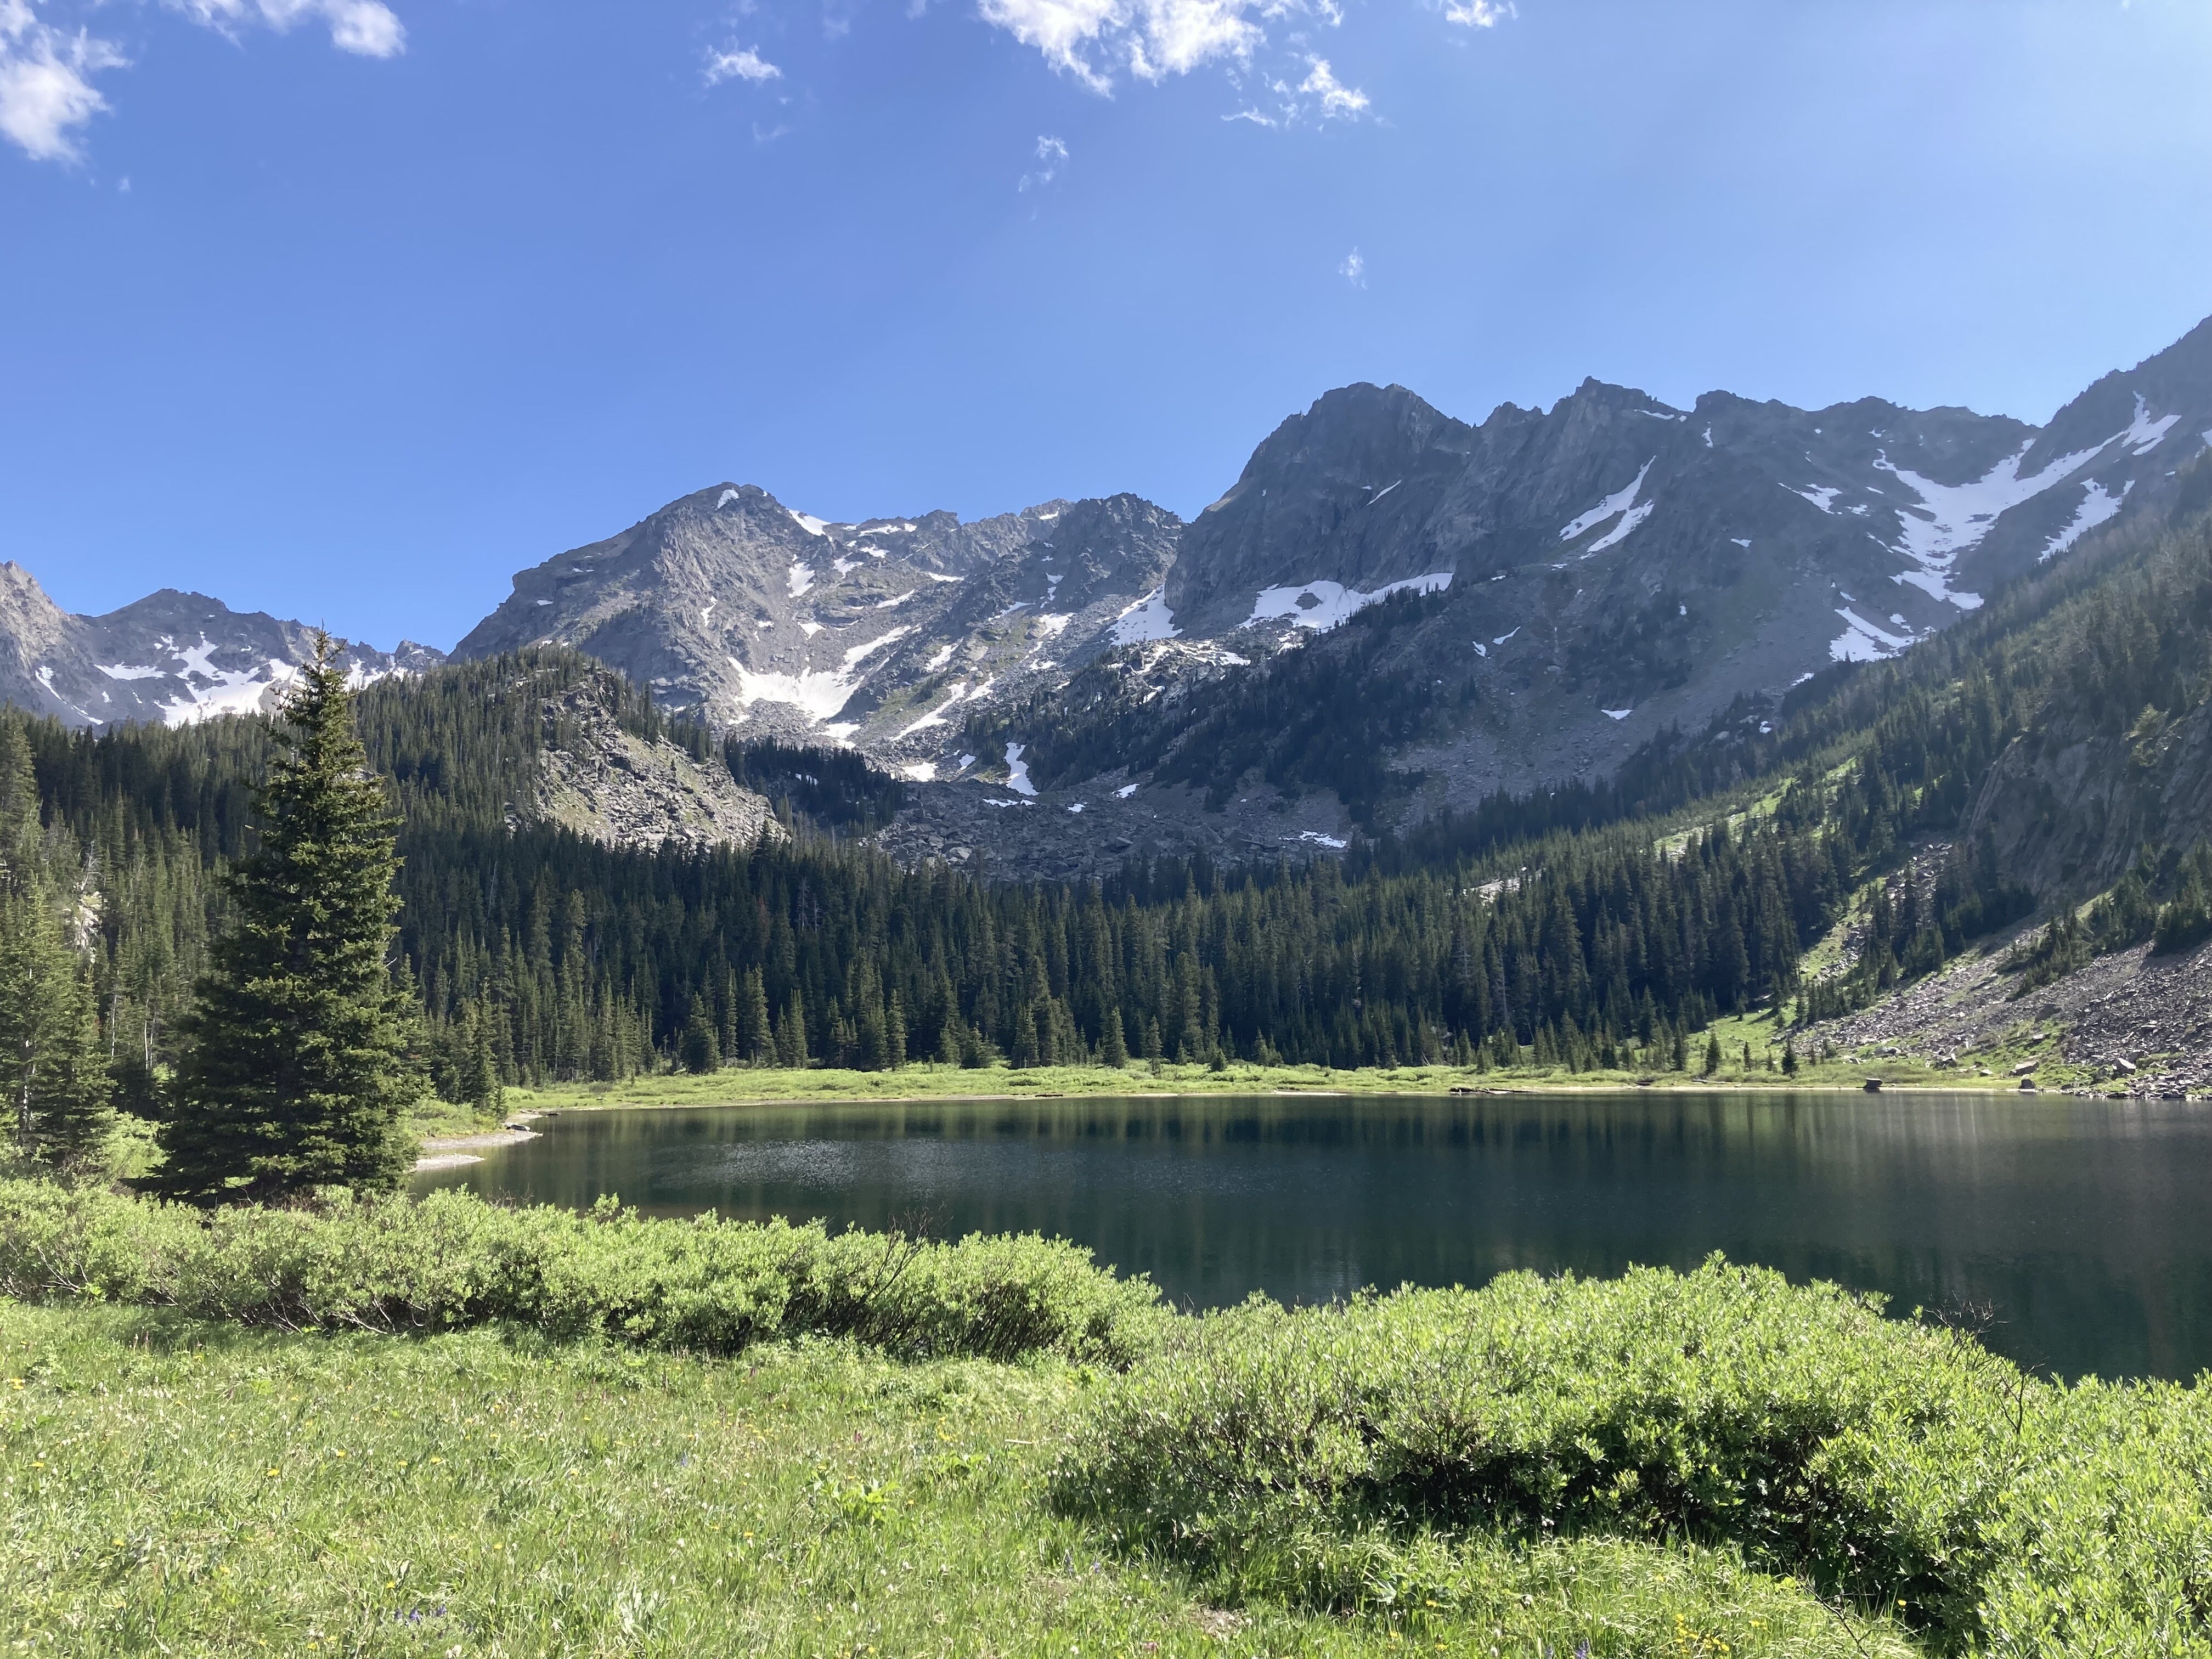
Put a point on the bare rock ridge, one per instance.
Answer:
(1596, 572)
(1603, 570)
(171, 656)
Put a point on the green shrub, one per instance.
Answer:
(1320, 1453)
(452, 1261)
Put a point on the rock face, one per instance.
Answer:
(171, 657)
(1597, 573)
(1606, 569)
(624, 790)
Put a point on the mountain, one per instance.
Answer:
(171, 657)
(1391, 611)
(1595, 576)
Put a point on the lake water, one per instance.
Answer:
(2083, 1225)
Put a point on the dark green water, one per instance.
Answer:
(2082, 1224)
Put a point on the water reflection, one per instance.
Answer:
(2079, 1221)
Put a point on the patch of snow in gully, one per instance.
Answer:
(1125, 792)
(1953, 518)
(941, 656)
(123, 672)
(1333, 603)
(1018, 772)
(2097, 505)
(1821, 496)
(1386, 489)
(799, 577)
(1148, 619)
(727, 497)
(1616, 714)
(1619, 502)
(2143, 434)
(809, 523)
(1862, 641)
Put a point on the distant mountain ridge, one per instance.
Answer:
(1597, 573)
(171, 656)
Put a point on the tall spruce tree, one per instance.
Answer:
(59, 1093)
(296, 1065)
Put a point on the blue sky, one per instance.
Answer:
(346, 309)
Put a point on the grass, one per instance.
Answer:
(741, 1086)
(195, 1488)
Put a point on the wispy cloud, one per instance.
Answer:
(1053, 153)
(1353, 270)
(1094, 40)
(368, 27)
(46, 90)
(1479, 13)
(1321, 96)
(45, 82)
(739, 63)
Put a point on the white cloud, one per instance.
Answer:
(1353, 270)
(46, 87)
(743, 64)
(368, 27)
(46, 92)
(1336, 101)
(1053, 152)
(1479, 14)
(1092, 40)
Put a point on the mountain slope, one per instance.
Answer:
(171, 657)
(1598, 575)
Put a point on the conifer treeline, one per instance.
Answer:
(541, 955)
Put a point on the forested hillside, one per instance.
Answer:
(1602, 928)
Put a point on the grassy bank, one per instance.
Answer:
(743, 1084)
(451, 1429)
(189, 1488)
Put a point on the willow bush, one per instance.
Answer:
(451, 1260)
(1356, 1455)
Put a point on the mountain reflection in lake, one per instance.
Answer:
(2080, 1223)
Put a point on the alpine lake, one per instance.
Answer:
(2073, 1234)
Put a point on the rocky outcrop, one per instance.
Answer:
(2069, 805)
(623, 790)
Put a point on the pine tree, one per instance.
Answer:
(895, 1033)
(697, 1048)
(1114, 1045)
(755, 1042)
(52, 1064)
(295, 1065)
(1712, 1054)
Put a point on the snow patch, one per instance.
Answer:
(843, 566)
(544, 601)
(2143, 434)
(726, 498)
(1502, 638)
(896, 598)
(1862, 641)
(818, 693)
(1325, 840)
(1077, 807)
(920, 771)
(936, 577)
(1480, 649)
(1616, 714)
(941, 656)
(809, 629)
(799, 578)
(1125, 792)
(1148, 619)
(1334, 603)
(854, 656)
(1048, 624)
(1821, 496)
(707, 615)
(1953, 517)
(2097, 505)
(1386, 489)
(1709, 437)
(1619, 502)
(1018, 772)
(124, 671)
(1662, 415)
(809, 523)
(1740, 541)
